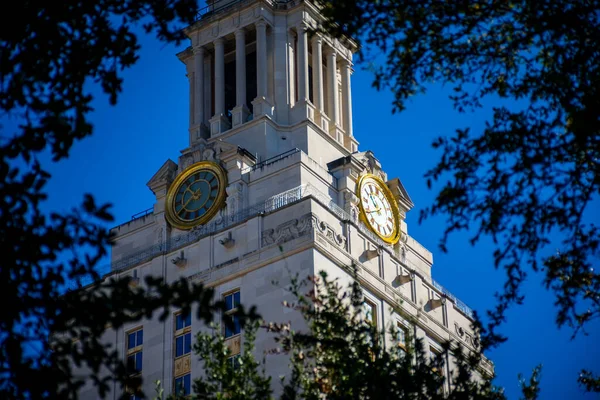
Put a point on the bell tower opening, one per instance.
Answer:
(269, 77)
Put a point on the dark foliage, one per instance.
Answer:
(51, 56)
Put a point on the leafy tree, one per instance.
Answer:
(52, 54)
(532, 172)
(340, 355)
(239, 377)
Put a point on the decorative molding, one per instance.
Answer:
(180, 260)
(235, 199)
(302, 226)
(459, 330)
(201, 150)
(183, 365)
(351, 205)
(163, 177)
(234, 344)
(289, 230)
(402, 279)
(228, 241)
(369, 254)
(331, 234)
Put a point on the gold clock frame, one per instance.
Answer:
(395, 236)
(221, 175)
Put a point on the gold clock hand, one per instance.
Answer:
(195, 196)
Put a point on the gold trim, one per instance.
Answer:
(395, 235)
(171, 215)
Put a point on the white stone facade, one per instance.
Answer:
(292, 166)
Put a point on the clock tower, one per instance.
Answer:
(273, 184)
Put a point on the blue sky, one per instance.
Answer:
(149, 125)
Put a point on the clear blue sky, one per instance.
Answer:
(149, 125)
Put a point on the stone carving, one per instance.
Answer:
(331, 234)
(235, 199)
(183, 365)
(203, 151)
(299, 227)
(187, 161)
(401, 249)
(459, 330)
(466, 337)
(159, 235)
(351, 204)
(289, 230)
(208, 154)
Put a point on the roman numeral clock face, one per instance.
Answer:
(196, 195)
(378, 208)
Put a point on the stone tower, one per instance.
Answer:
(273, 184)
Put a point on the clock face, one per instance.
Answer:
(196, 195)
(378, 209)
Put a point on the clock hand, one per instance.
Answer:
(378, 210)
(194, 196)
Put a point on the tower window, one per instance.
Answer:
(135, 341)
(183, 385)
(370, 312)
(231, 320)
(401, 336)
(183, 334)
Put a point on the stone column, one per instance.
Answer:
(219, 77)
(347, 96)
(219, 122)
(261, 104)
(349, 141)
(199, 128)
(199, 85)
(317, 64)
(189, 71)
(291, 38)
(240, 112)
(333, 94)
(302, 63)
(280, 78)
(261, 59)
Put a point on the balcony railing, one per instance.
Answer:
(459, 304)
(270, 161)
(142, 214)
(215, 6)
